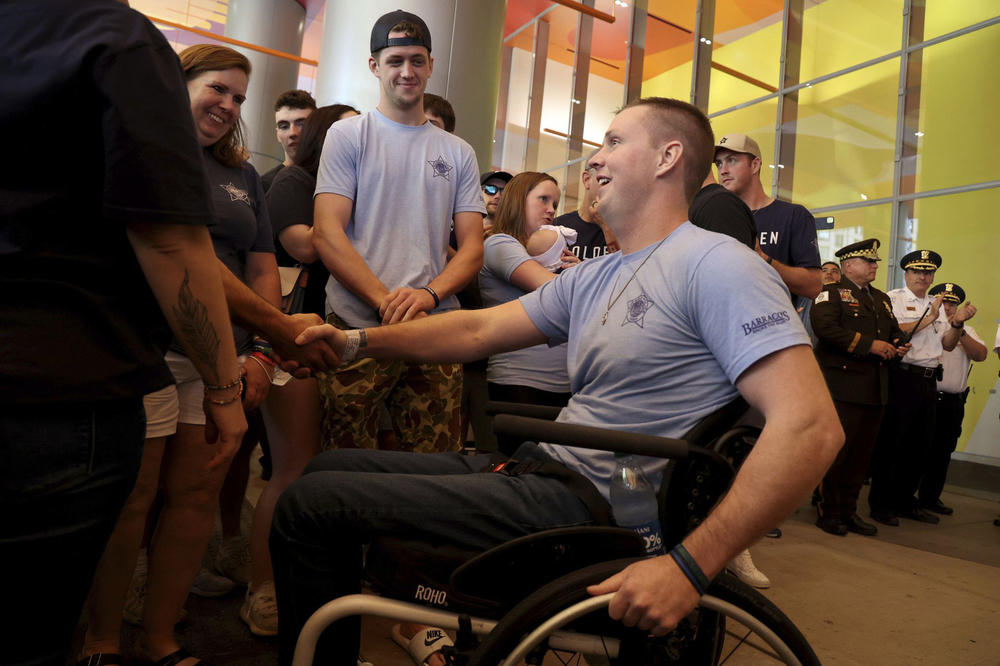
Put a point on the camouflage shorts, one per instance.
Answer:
(423, 401)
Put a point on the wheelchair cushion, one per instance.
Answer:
(414, 571)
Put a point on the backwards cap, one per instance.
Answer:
(380, 32)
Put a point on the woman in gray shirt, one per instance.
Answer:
(537, 374)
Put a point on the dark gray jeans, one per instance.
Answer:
(349, 496)
(65, 473)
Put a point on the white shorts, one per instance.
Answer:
(190, 388)
(162, 411)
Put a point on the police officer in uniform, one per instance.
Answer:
(908, 426)
(953, 389)
(856, 333)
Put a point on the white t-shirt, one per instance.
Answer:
(696, 315)
(927, 349)
(956, 366)
(407, 183)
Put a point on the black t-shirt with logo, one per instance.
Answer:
(95, 109)
(590, 241)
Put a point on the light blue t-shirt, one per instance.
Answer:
(541, 367)
(699, 312)
(407, 183)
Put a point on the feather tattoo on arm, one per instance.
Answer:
(195, 328)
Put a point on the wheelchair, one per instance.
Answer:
(525, 598)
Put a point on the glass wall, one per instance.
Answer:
(845, 137)
(746, 52)
(566, 81)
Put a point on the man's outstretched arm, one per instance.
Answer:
(453, 337)
(800, 440)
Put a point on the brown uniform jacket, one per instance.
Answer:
(846, 324)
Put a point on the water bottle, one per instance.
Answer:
(634, 505)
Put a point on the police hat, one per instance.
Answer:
(949, 291)
(921, 260)
(866, 249)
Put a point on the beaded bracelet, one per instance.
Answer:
(223, 387)
(690, 568)
(236, 396)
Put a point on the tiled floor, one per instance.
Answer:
(915, 594)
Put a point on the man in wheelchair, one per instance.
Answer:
(661, 334)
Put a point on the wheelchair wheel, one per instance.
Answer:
(732, 617)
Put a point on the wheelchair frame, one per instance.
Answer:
(515, 419)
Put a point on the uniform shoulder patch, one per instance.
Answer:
(823, 297)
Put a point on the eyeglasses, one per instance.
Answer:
(492, 190)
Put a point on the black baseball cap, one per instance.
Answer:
(380, 33)
(489, 175)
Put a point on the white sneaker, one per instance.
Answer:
(743, 568)
(260, 610)
(233, 559)
(209, 584)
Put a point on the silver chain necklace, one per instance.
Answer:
(612, 301)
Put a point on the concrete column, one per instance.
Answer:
(466, 37)
(278, 25)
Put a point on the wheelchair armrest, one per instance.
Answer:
(547, 412)
(600, 438)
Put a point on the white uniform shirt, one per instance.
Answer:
(996, 343)
(926, 350)
(956, 365)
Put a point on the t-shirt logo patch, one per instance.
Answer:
(758, 324)
(441, 168)
(636, 310)
(235, 193)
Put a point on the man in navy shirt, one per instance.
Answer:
(786, 232)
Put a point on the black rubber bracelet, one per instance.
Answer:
(690, 568)
(437, 301)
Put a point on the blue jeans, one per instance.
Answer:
(347, 497)
(65, 473)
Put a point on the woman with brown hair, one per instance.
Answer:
(537, 374)
(192, 472)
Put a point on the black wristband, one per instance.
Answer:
(690, 568)
(961, 324)
(437, 301)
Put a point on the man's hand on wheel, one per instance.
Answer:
(653, 595)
